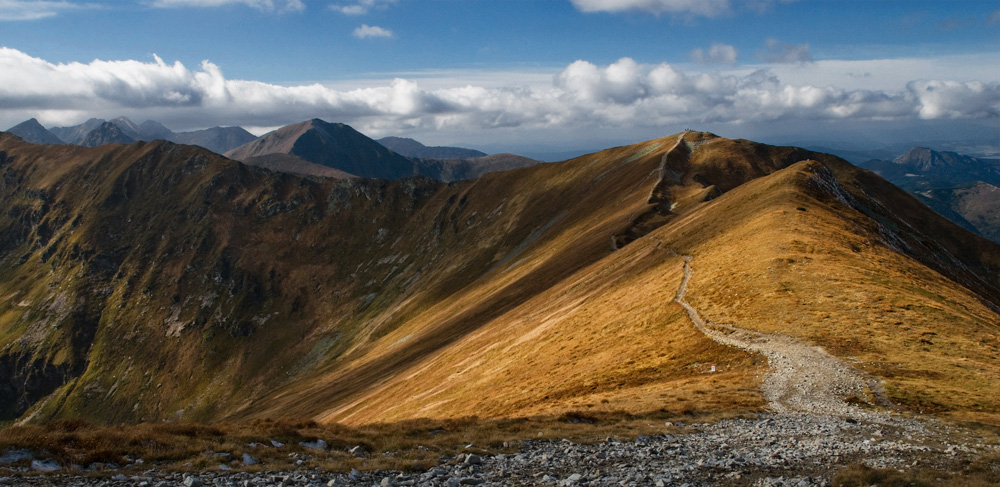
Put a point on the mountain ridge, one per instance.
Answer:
(216, 139)
(234, 292)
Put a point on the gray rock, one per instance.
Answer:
(314, 445)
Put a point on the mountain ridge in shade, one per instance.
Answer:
(412, 148)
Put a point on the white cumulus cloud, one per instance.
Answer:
(366, 31)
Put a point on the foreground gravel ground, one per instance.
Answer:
(771, 450)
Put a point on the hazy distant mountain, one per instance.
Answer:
(155, 130)
(412, 148)
(471, 167)
(333, 145)
(32, 131)
(130, 128)
(106, 133)
(959, 187)
(215, 139)
(921, 168)
(76, 133)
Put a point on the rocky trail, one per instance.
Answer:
(803, 378)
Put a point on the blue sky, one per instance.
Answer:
(509, 74)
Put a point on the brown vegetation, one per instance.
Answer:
(156, 281)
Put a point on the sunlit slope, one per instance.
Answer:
(813, 265)
(609, 338)
(593, 199)
(158, 281)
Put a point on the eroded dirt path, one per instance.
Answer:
(803, 378)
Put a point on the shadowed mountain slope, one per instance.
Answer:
(216, 139)
(107, 133)
(76, 133)
(155, 281)
(471, 168)
(412, 148)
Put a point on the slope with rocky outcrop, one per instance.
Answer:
(156, 281)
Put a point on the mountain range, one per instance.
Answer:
(121, 130)
(313, 147)
(155, 281)
(962, 188)
(320, 148)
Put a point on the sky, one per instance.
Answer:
(515, 75)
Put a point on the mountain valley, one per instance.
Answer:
(964, 189)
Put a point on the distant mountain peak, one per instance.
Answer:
(926, 159)
(107, 133)
(334, 145)
(32, 131)
(155, 130)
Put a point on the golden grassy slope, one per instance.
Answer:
(800, 267)
(779, 253)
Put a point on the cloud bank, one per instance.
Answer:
(582, 95)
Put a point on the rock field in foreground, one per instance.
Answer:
(770, 450)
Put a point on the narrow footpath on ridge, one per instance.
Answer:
(803, 378)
